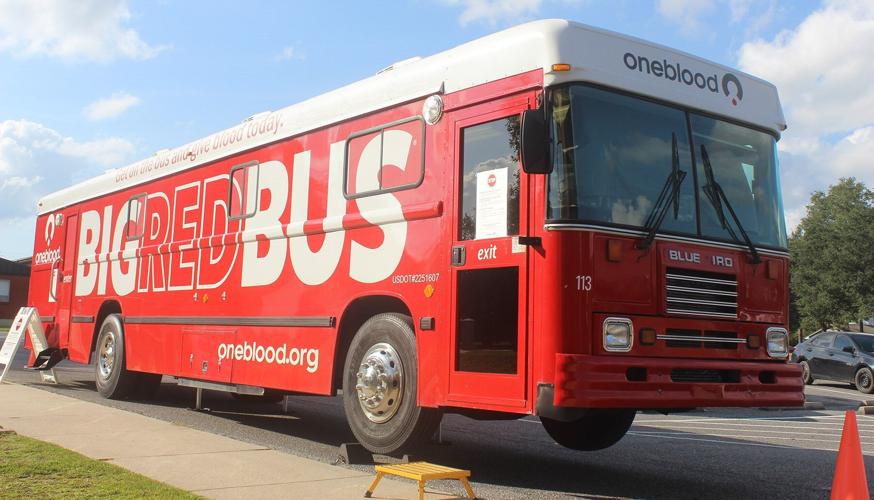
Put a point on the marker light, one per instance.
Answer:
(432, 109)
(647, 336)
(617, 334)
(754, 341)
(561, 67)
(778, 342)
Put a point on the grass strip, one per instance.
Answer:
(35, 469)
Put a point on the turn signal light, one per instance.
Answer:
(561, 67)
(754, 341)
(614, 250)
(647, 336)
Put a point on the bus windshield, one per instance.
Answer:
(612, 155)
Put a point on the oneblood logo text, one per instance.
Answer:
(729, 84)
(281, 355)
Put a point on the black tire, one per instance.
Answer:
(147, 385)
(387, 338)
(269, 397)
(596, 430)
(806, 376)
(864, 380)
(113, 379)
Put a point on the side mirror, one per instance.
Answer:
(535, 145)
(849, 349)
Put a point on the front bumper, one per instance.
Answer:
(584, 381)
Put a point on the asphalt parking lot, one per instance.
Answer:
(708, 453)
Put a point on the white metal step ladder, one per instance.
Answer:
(28, 320)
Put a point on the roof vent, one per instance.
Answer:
(399, 64)
(257, 116)
(162, 151)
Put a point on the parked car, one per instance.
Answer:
(838, 356)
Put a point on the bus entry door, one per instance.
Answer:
(488, 357)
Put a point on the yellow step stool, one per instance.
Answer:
(421, 472)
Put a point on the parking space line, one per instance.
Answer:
(743, 436)
(761, 445)
(745, 419)
(837, 432)
(824, 426)
(848, 395)
(719, 441)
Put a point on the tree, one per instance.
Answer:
(832, 271)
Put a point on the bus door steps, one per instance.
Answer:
(47, 359)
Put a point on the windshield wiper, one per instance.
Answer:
(717, 198)
(670, 195)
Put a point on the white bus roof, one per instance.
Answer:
(595, 55)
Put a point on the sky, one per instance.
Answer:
(91, 85)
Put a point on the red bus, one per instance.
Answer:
(552, 220)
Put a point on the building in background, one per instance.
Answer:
(14, 280)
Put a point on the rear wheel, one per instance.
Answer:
(596, 430)
(380, 382)
(806, 376)
(113, 379)
(864, 380)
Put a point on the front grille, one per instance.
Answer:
(701, 293)
(696, 339)
(676, 342)
(714, 376)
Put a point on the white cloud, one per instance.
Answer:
(290, 53)
(823, 70)
(494, 11)
(110, 107)
(36, 160)
(686, 13)
(739, 9)
(93, 30)
(749, 16)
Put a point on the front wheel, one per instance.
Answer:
(596, 430)
(806, 376)
(113, 379)
(864, 380)
(380, 383)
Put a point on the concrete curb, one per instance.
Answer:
(206, 464)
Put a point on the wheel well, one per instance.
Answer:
(356, 313)
(107, 308)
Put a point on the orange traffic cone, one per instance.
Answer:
(850, 482)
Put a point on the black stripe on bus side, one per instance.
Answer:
(311, 321)
(47, 319)
(82, 319)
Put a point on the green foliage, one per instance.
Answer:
(34, 469)
(832, 272)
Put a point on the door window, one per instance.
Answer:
(490, 180)
(842, 341)
(823, 340)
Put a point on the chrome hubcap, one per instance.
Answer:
(379, 383)
(106, 358)
(864, 380)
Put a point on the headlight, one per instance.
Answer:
(617, 334)
(778, 342)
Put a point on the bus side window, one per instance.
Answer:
(243, 191)
(385, 159)
(136, 217)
